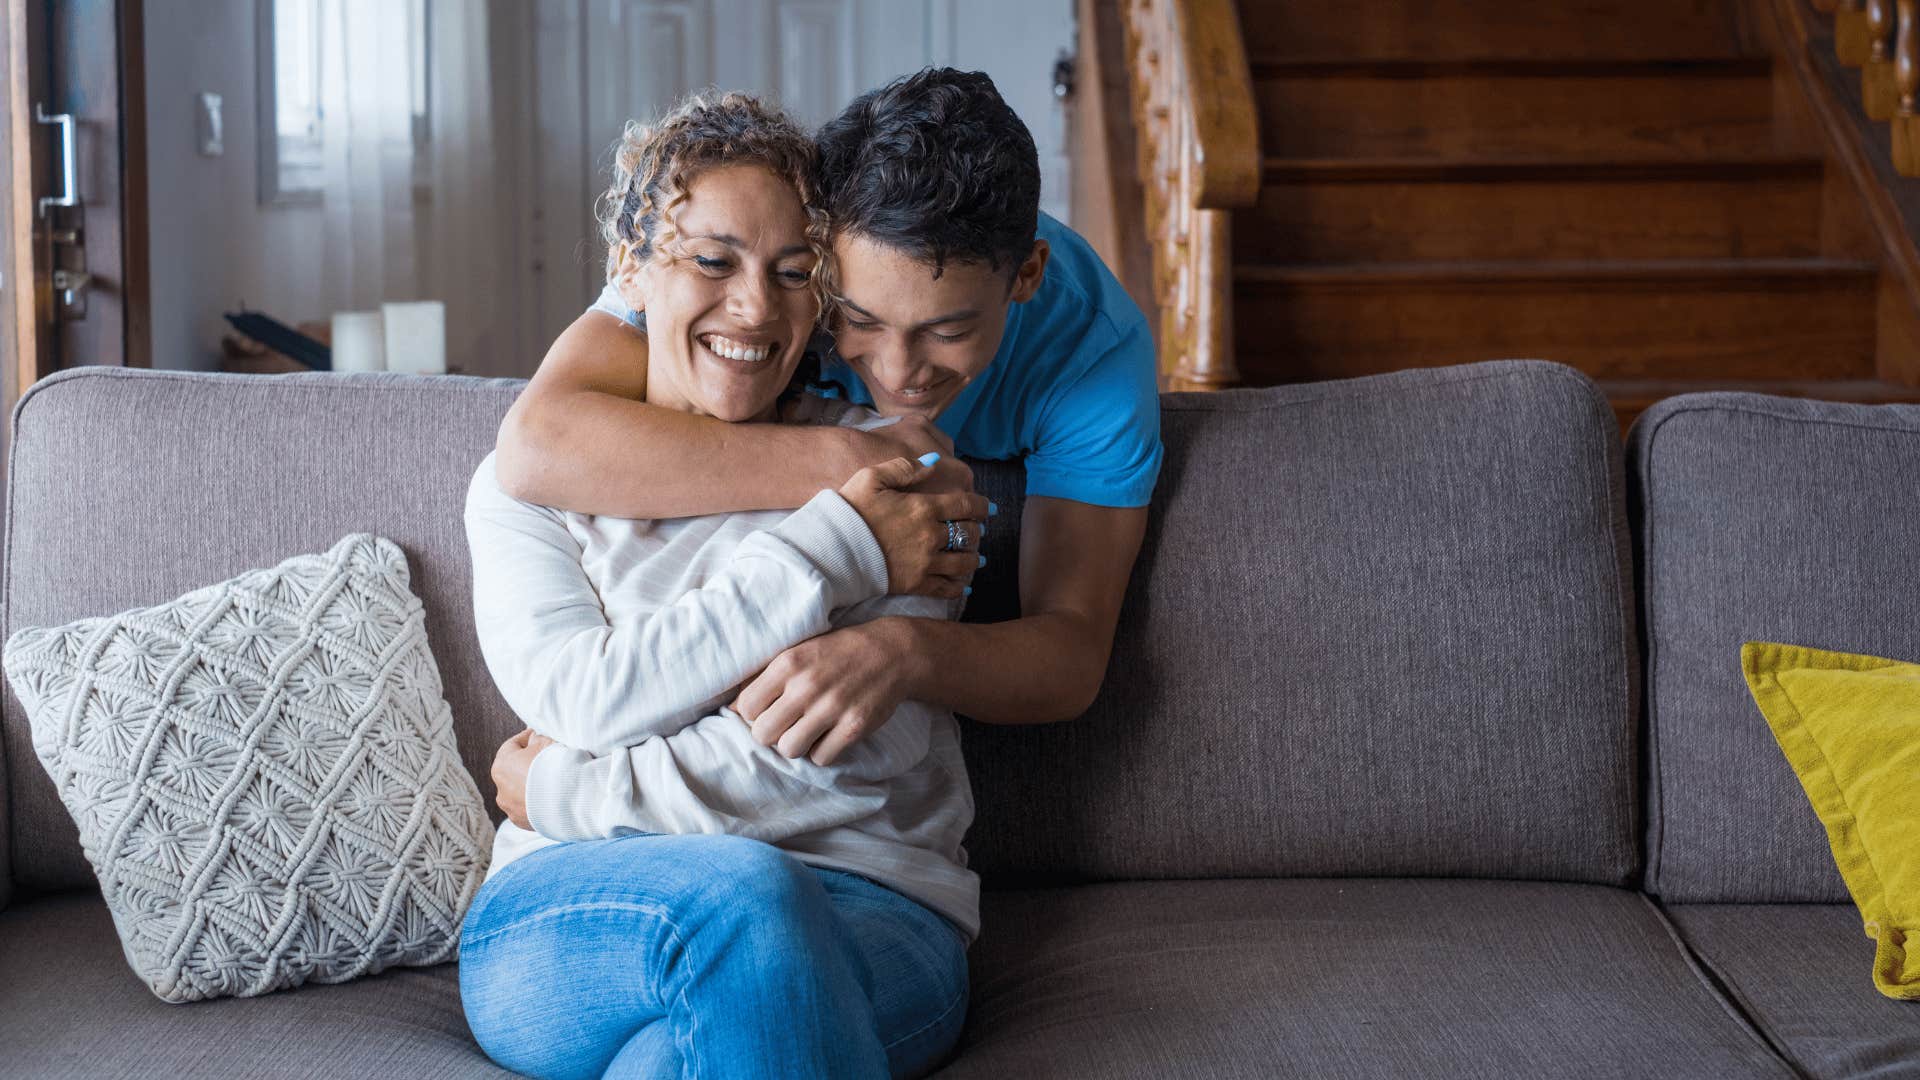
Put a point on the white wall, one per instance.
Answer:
(213, 245)
(598, 63)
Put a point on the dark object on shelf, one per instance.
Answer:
(283, 339)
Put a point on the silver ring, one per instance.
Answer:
(956, 537)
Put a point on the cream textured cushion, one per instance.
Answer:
(264, 775)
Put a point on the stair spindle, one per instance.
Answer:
(1906, 78)
(1850, 34)
(1878, 95)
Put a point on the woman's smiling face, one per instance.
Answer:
(728, 295)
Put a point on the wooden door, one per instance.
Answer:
(74, 285)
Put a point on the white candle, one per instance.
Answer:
(359, 343)
(416, 336)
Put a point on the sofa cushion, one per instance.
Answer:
(1797, 970)
(1379, 626)
(70, 1008)
(1382, 624)
(264, 775)
(1760, 519)
(1343, 978)
(1850, 727)
(128, 488)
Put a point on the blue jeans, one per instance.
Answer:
(710, 956)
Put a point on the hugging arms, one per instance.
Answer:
(580, 437)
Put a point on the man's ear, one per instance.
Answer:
(1026, 280)
(634, 278)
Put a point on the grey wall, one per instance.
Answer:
(213, 245)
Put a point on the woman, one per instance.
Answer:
(718, 908)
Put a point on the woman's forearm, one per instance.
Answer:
(597, 453)
(710, 777)
(573, 675)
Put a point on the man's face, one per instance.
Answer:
(917, 340)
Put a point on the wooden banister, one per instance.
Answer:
(1199, 158)
(1850, 38)
(1906, 84)
(1882, 38)
(1877, 94)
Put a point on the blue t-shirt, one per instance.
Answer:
(1073, 388)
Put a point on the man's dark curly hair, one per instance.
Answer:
(936, 165)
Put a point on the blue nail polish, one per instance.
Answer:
(930, 457)
(992, 509)
(983, 530)
(983, 560)
(968, 591)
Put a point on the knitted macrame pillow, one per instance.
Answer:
(264, 775)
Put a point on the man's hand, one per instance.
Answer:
(510, 766)
(826, 693)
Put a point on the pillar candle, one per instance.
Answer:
(416, 336)
(359, 342)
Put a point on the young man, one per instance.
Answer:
(988, 327)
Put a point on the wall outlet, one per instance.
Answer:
(212, 129)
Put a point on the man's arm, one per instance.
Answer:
(825, 694)
(581, 438)
(1075, 560)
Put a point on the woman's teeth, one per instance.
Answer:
(734, 350)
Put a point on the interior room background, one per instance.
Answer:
(307, 157)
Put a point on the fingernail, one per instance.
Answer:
(968, 591)
(983, 560)
(992, 508)
(983, 530)
(930, 457)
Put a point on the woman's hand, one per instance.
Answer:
(907, 504)
(510, 766)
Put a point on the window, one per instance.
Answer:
(291, 115)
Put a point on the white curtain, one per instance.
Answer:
(414, 211)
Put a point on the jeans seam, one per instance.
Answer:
(958, 999)
(688, 1063)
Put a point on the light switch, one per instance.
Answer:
(212, 144)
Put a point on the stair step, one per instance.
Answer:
(1493, 29)
(1621, 319)
(1645, 109)
(1631, 397)
(1392, 209)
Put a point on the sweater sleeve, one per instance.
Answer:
(571, 675)
(710, 777)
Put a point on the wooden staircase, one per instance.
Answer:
(1632, 187)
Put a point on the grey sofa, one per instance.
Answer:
(1400, 769)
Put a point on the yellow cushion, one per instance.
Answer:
(1850, 726)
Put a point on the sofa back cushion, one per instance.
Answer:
(129, 488)
(1760, 519)
(1379, 627)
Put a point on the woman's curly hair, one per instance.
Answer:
(655, 163)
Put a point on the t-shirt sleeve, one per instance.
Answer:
(1099, 439)
(610, 302)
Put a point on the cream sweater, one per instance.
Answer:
(623, 641)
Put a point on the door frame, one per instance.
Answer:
(30, 340)
(19, 340)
